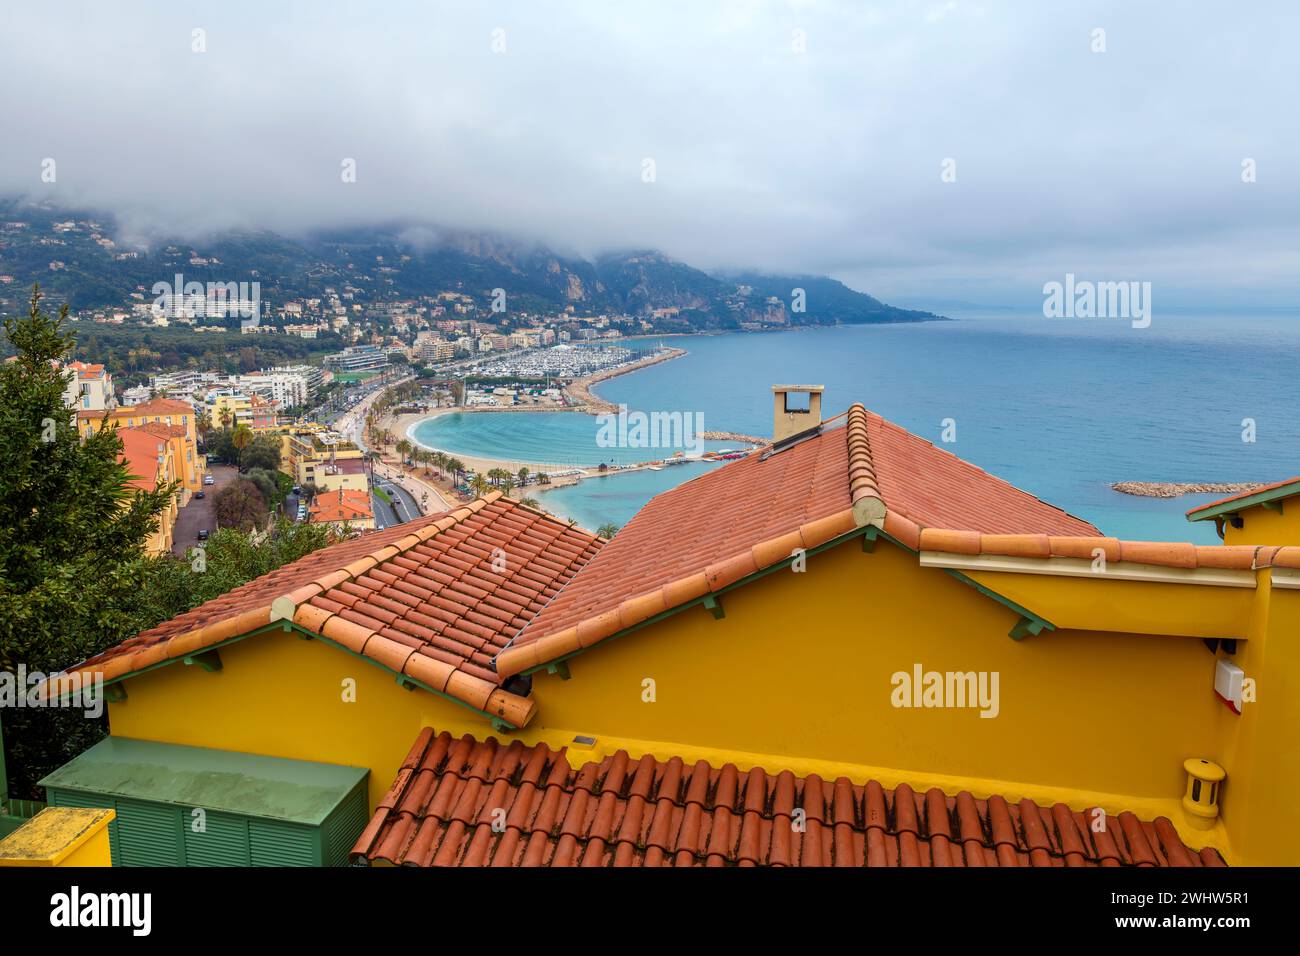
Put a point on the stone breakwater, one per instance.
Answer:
(1172, 489)
(735, 436)
(583, 399)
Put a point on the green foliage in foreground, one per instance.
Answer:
(74, 578)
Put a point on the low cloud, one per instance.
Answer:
(801, 137)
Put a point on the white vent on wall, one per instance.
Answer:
(1228, 680)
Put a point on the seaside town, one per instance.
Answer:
(606, 437)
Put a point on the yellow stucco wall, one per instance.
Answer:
(798, 674)
(1263, 526)
(1260, 749)
(281, 696)
(802, 664)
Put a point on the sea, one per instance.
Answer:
(1059, 407)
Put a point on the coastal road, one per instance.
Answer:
(402, 509)
(199, 513)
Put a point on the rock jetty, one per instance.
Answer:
(1172, 489)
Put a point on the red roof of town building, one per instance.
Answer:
(727, 524)
(140, 451)
(344, 504)
(465, 802)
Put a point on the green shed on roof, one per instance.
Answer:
(191, 806)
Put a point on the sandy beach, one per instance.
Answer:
(582, 400)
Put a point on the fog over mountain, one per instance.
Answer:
(802, 137)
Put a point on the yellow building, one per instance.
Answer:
(190, 466)
(231, 407)
(312, 455)
(1256, 517)
(852, 631)
(149, 452)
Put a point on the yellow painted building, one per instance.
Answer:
(311, 454)
(1256, 517)
(852, 625)
(149, 452)
(190, 466)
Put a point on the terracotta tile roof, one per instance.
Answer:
(140, 451)
(443, 805)
(161, 429)
(345, 504)
(1274, 492)
(1161, 553)
(156, 406)
(433, 599)
(737, 520)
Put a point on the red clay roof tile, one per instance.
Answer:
(484, 803)
(715, 530)
(486, 555)
(1156, 553)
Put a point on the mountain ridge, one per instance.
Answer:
(79, 257)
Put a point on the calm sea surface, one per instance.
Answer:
(1059, 407)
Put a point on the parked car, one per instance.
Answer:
(203, 534)
(200, 494)
(209, 480)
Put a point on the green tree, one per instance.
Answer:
(267, 486)
(71, 527)
(241, 438)
(72, 537)
(262, 452)
(607, 530)
(240, 505)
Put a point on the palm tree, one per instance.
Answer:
(507, 485)
(530, 503)
(403, 448)
(479, 485)
(456, 467)
(241, 439)
(523, 476)
(543, 478)
(225, 417)
(203, 424)
(607, 530)
(440, 460)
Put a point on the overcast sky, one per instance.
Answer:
(802, 136)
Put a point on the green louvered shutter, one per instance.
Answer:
(272, 843)
(223, 841)
(149, 834)
(344, 825)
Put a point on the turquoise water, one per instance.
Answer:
(553, 438)
(1059, 407)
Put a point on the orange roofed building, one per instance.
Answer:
(850, 648)
(149, 454)
(177, 416)
(343, 507)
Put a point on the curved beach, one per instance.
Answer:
(581, 399)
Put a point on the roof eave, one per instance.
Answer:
(1229, 506)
